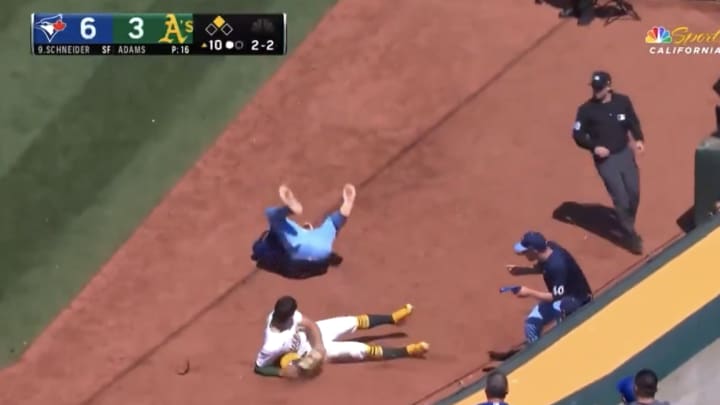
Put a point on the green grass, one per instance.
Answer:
(81, 163)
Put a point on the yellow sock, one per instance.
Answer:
(402, 313)
(363, 321)
(368, 321)
(375, 352)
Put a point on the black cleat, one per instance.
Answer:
(635, 244)
(586, 18)
(502, 355)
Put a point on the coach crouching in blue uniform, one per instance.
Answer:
(567, 286)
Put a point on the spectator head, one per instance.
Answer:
(626, 389)
(646, 382)
(496, 387)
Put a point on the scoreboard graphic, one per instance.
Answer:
(158, 34)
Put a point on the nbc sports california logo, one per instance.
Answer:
(682, 41)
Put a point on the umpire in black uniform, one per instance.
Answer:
(601, 127)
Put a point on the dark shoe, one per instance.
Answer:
(567, 13)
(623, 8)
(502, 355)
(635, 244)
(586, 18)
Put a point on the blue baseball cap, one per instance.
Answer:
(626, 388)
(531, 240)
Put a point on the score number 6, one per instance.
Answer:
(88, 30)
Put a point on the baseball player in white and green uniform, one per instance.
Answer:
(290, 335)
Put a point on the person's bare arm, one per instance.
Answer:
(314, 335)
(523, 270)
(541, 295)
(527, 292)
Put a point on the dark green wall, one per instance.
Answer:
(662, 356)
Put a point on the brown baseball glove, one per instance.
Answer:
(311, 363)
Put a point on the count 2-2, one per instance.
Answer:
(267, 45)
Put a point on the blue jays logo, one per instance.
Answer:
(51, 26)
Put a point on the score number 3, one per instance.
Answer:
(88, 30)
(137, 28)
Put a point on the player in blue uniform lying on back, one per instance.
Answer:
(567, 287)
(292, 249)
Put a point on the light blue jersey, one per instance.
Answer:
(303, 244)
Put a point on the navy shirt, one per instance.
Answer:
(563, 276)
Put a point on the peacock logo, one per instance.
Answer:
(658, 35)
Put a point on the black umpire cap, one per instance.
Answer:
(600, 80)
